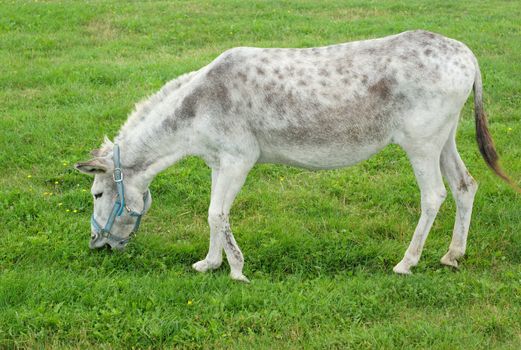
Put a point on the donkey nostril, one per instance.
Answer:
(93, 235)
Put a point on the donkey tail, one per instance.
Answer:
(485, 142)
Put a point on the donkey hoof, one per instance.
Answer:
(239, 277)
(402, 269)
(204, 265)
(449, 260)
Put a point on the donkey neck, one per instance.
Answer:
(154, 137)
(145, 161)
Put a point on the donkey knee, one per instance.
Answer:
(216, 219)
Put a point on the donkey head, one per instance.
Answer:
(118, 202)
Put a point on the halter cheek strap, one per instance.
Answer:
(119, 206)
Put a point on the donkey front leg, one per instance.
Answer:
(214, 257)
(231, 176)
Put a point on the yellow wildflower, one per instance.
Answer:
(189, 302)
(29, 176)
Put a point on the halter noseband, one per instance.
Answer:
(119, 206)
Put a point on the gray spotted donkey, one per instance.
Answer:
(316, 108)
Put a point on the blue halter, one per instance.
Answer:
(119, 206)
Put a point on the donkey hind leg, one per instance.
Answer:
(214, 257)
(426, 166)
(463, 189)
(229, 181)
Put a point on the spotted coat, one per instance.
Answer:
(317, 108)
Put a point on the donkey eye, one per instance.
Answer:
(98, 195)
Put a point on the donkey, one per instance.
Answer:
(316, 108)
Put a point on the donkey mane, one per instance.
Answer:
(142, 108)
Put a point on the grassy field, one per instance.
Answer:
(319, 246)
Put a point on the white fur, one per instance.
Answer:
(347, 105)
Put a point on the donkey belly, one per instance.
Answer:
(324, 156)
(325, 135)
(322, 143)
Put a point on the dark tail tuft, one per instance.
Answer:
(485, 142)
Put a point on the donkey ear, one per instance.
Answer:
(92, 167)
(105, 148)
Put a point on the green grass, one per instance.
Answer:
(319, 246)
